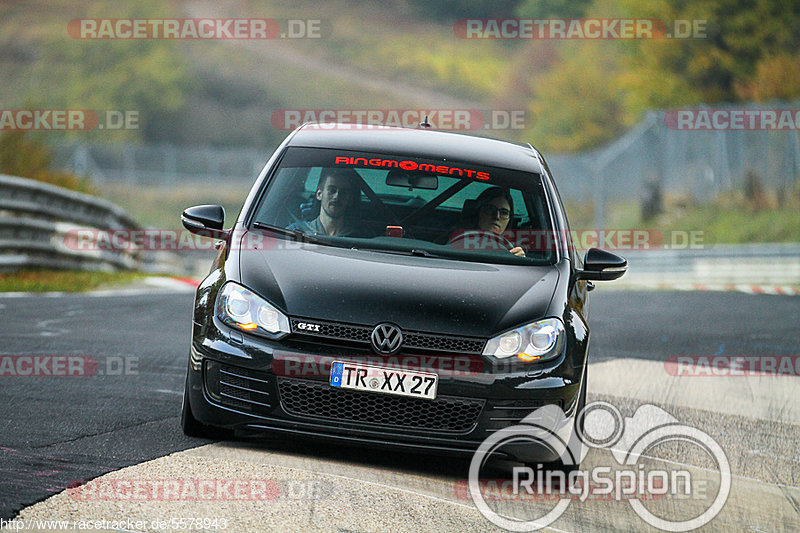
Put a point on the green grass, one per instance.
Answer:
(466, 68)
(161, 206)
(724, 221)
(402, 46)
(35, 280)
(728, 225)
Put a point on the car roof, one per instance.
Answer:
(425, 143)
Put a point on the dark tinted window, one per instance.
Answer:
(460, 211)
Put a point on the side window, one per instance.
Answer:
(290, 184)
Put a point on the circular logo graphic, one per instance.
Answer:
(600, 426)
(386, 339)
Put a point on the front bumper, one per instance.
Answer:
(256, 385)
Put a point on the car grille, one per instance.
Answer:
(412, 340)
(244, 389)
(320, 400)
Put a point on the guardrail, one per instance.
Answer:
(772, 263)
(36, 219)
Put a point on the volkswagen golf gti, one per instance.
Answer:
(392, 287)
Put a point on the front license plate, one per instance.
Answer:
(385, 380)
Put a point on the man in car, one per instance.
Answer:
(337, 192)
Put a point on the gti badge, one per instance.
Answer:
(305, 326)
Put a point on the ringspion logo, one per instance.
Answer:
(628, 439)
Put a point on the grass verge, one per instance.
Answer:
(37, 280)
(161, 206)
(721, 222)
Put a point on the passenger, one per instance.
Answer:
(337, 192)
(494, 208)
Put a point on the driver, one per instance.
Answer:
(337, 191)
(494, 209)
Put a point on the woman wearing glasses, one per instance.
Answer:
(491, 211)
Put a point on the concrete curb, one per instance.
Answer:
(785, 290)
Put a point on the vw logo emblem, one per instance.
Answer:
(386, 338)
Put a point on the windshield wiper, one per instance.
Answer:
(297, 234)
(417, 252)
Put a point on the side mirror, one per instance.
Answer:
(205, 220)
(600, 265)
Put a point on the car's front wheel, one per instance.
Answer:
(560, 465)
(194, 428)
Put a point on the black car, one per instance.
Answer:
(392, 287)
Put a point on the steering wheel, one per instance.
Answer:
(461, 240)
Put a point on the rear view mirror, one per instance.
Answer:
(412, 180)
(205, 220)
(600, 265)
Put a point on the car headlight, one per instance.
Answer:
(539, 341)
(243, 309)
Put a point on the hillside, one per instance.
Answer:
(575, 93)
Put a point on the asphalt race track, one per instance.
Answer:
(57, 430)
(123, 409)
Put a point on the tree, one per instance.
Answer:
(147, 76)
(25, 157)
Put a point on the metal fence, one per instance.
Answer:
(695, 164)
(160, 164)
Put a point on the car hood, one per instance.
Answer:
(416, 293)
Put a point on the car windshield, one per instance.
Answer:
(401, 204)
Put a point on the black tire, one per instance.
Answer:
(194, 428)
(189, 424)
